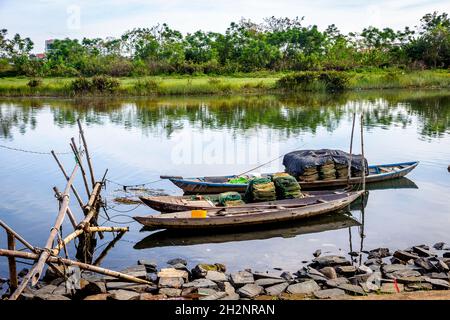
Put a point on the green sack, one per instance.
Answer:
(260, 189)
(229, 196)
(238, 180)
(287, 187)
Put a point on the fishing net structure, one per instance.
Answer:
(323, 164)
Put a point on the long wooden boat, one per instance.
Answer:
(169, 238)
(167, 204)
(219, 184)
(257, 214)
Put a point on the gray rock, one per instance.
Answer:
(266, 275)
(329, 293)
(150, 266)
(439, 245)
(268, 282)
(424, 264)
(442, 266)
(329, 272)
(346, 270)
(201, 283)
(227, 288)
(233, 296)
(138, 271)
(336, 282)
(353, 254)
(446, 254)
(131, 286)
(423, 252)
(286, 276)
(123, 295)
(407, 280)
(317, 253)
(352, 289)
(90, 288)
(277, 289)
(179, 266)
(170, 292)
(330, 261)
(404, 255)
(419, 286)
(216, 276)
(379, 253)
(215, 296)
(50, 297)
(176, 261)
(359, 278)
(241, 278)
(46, 290)
(373, 261)
(306, 287)
(438, 275)
(206, 291)
(403, 274)
(170, 282)
(315, 274)
(250, 290)
(394, 267)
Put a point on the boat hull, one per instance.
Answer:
(197, 186)
(182, 220)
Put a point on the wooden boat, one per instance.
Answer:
(257, 214)
(168, 238)
(219, 184)
(166, 204)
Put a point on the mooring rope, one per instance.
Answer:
(32, 151)
(127, 186)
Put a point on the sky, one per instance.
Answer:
(49, 19)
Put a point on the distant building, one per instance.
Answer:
(48, 44)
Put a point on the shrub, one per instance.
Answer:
(81, 85)
(214, 81)
(104, 84)
(334, 80)
(34, 83)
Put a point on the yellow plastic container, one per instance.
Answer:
(198, 213)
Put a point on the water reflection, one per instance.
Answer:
(291, 230)
(288, 114)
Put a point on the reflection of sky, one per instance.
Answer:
(396, 218)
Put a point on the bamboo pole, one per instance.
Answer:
(17, 236)
(79, 232)
(349, 174)
(80, 163)
(91, 207)
(111, 245)
(75, 192)
(69, 211)
(362, 153)
(13, 283)
(88, 157)
(68, 262)
(36, 272)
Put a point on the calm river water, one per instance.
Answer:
(138, 139)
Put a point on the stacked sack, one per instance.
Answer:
(327, 171)
(230, 199)
(341, 170)
(260, 189)
(309, 175)
(286, 186)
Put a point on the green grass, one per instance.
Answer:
(237, 84)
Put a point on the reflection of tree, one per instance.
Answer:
(288, 114)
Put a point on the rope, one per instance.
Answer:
(31, 151)
(126, 186)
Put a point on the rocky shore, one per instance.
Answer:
(324, 277)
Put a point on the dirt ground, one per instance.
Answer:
(417, 295)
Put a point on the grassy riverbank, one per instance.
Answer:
(236, 84)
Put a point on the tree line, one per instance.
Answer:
(276, 44)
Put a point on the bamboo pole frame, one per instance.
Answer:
(13, 282)
(73, 146)
(68, 262)
(88, 157)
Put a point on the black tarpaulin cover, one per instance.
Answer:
(297, 161)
